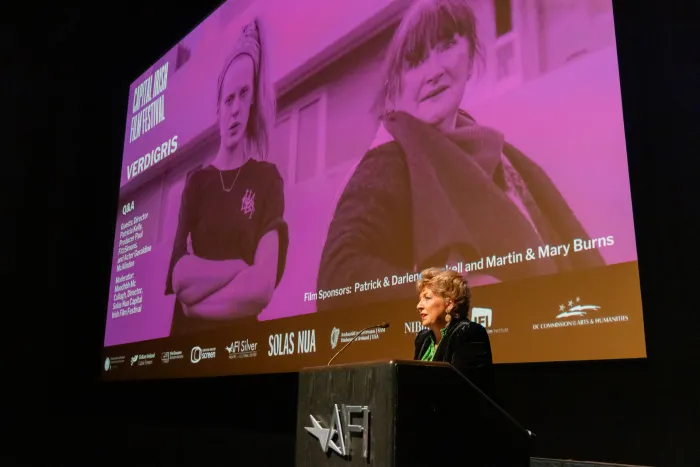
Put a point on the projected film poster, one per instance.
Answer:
(287, 176)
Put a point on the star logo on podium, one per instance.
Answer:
(327, 436)
(319, 433)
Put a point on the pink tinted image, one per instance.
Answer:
(474, 152)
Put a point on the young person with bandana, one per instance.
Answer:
(231, 242)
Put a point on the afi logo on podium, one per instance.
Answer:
(338, 436)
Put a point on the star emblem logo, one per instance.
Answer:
(319, 433)
(329, 437)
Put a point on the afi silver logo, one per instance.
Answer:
(196, 354)
(338, 436)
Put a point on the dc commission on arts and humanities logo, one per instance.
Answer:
(577, 312)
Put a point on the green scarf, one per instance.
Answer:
(430, 353)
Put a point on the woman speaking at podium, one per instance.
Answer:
(444, 299)
(231, 241)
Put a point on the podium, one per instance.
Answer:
(402, 414)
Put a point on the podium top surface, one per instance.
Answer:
(375, 363)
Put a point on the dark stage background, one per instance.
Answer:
(66, 73)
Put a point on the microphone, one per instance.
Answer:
(383, 325)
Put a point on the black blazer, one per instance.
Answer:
(384, 224)
(465, 346)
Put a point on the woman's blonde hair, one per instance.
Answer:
(448, 284)
(263, 108)
(426, 24)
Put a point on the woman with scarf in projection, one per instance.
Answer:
(436, 187)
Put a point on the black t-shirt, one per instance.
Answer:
(227, 225)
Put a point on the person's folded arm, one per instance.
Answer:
(249, 292)
(252, 289)
(195, 278)
(192, 278)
